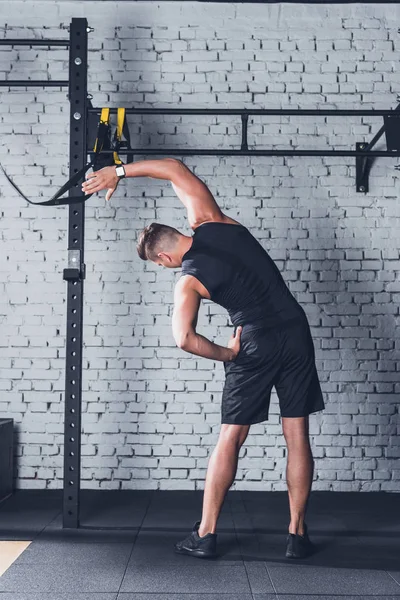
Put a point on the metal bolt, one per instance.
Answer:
(89, 96)
(89, 29)
(361, 188)
(78, 61)
(362, 146)
(77, 116)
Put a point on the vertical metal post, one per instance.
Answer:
(74, 275)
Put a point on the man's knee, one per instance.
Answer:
(233, 434)
(295, 425)
(295, 430)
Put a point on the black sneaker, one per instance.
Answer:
(200, 547)
(299, 546)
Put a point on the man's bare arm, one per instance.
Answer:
(184, 321)
(192, 192)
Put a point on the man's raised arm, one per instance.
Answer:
(193, 193)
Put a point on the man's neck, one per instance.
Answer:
(184, 245)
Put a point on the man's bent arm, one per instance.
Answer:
(201, 346)
(184, 320)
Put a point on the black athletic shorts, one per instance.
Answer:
(281, 356)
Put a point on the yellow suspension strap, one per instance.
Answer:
(118, 134)
(104, 124)
(104, 131)
(121, 130)
(102, 142)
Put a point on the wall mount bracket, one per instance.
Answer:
(391, 129)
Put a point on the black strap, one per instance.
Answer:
(56, 200)
(103, 142)
(127, 144)
(118, 144)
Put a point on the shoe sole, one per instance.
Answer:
(292, 555)
(195, 553)
(307, 553)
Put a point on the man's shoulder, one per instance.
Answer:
(188, 282)
(222, 218)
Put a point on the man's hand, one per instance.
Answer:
(104, 179)
(234, 343)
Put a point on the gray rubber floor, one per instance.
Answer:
(124, 548)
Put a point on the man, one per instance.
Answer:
(272, 344)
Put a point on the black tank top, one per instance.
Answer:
(240, 276)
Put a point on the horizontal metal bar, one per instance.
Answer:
(218, 152)
(250, 111)
(28, 42)
(33, 83)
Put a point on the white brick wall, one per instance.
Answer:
(151, 412)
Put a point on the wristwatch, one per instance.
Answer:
(120, 171)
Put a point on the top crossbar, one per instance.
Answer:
(250, 111)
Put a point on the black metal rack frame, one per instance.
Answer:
(83, 124)
(77, 87)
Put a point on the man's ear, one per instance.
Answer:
(164, 256)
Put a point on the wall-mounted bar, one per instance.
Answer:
(33, 83)
(251, 111)
(363, 152)
(28, 42)
(218, 152)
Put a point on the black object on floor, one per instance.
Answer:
(196, 546)
(299, 546)
(6, 457)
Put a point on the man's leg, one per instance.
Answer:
(299, 469)
(221, 474)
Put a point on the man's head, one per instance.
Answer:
(163, 245)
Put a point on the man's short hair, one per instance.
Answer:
(156, 238)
